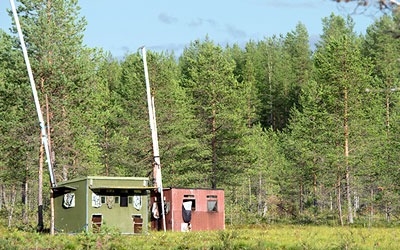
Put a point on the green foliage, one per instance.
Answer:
(218, 105)
(260, 237)
(269, 123)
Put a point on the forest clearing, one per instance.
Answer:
(293, 147)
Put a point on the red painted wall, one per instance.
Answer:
(202, 219)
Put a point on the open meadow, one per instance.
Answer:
(257, 237)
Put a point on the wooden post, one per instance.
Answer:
(51, 212)
(40, 190)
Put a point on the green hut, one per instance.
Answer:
(89, 203)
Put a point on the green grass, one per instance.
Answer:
(255, 237)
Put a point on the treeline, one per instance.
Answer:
(288, 132)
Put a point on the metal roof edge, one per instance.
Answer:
(102, 178)
(71, 181)
(119, 187)
(194, 188)
(117, 178)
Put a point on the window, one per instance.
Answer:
(69, 200)
(190, 197)
(130, 200)
(103, 199)
(124, 201)
(96, 222)
(116, 199)
(96, 201)
(212, 206)
(137, 223)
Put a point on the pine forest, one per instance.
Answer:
(293, 133)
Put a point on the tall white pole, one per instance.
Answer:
(35, 95)
(153, 127)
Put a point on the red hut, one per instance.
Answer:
(188, 209)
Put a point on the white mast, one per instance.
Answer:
(35, 96)
(153, 127)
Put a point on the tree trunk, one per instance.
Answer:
(40, 188)
(260, 194)
(52, 155)
(11, 210)
(339, 203)
(1, 196)
(270, 91)
(249, 194)
(346, 155)
(301, 197)
(233, 203)
(321, 198)
(52, 161)
(356, 203)
(213, 145)
(236, 203)
(24, 193)
(315, 188)
(371, 214)
(64, 168)
(387, 211)
(106, 150)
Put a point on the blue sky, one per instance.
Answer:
(122, 26)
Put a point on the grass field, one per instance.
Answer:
(257, 237)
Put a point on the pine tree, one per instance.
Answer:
(310, 141)
(16, 123)
(384, 49)
(218, 105)
(297, 55)
(269, 72)
(108, 108)
(63, 69)
(345, 74)
(178, 146)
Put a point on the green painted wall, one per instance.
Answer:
(72, 219)
(120, 217)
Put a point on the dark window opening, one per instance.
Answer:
(103, 199)
(130, 200)
(96, 222)
(212, 206)
(124, 201)
(188, 196)
(137, 223)
(116, 199)
(212, 197)
(193, 203)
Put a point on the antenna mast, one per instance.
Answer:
(153, 127)
(35, 96)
